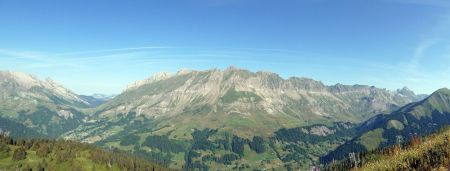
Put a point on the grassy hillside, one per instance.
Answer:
(40, 154)
(429, 153)
(415, 119)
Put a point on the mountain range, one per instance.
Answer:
(95, 100)
(223, 119)
(246, 103)
(44, 106)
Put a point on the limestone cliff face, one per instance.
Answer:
(42, 105)
(265, 99)
(21, 85)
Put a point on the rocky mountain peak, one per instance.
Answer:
(232, 68)
(22, 83)
(405, 91)
(21, 79)
(183, 71)
(160, 76)
(254, 96)
(155, 77)
(307, 83)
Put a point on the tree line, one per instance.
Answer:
(53, 154)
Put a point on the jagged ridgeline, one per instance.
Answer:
(208, 120)
(44, 106)
(234, 118)
(243, 102)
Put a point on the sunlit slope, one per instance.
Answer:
(415, 119)
(42, 105)
(433, 153)
(420, 153)
(239, 101)
(38, 154)
(234, 118)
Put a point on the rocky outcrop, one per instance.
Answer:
(260, 97)
(13, 84)
(42, 105)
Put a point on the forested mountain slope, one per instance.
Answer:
(415, 119)
(209, 120)
(41, 154)
(220, 119)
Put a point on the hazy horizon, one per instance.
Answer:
(222, 69)
(100, 47)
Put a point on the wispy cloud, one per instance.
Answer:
(78, 59)
(419, 52)
(20, 54)
(113, 50)
(151, 58)
(430, 48)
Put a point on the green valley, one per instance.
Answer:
(229, 119)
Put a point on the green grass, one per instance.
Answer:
(66, 155)
(32, 160)
(178, 160)
(431, 154)
(232, 95)
(372, 139)
(421, 153)
(117, 145)
(395, 124)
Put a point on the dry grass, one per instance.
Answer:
(431, 154)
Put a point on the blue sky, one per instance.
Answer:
(101, 46)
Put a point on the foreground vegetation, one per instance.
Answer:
(420, 118)
(429, 153)
(42, 154)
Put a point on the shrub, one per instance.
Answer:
(19, 154)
